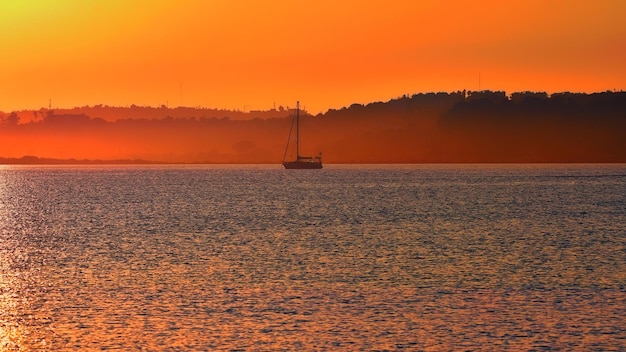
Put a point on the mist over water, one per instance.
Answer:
(384, 257)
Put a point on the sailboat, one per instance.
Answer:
(301, 162)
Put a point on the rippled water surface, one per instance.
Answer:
(455, 257)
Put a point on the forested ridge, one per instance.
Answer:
(482, 126)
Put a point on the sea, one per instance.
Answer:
(350, 258)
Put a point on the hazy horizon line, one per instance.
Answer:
(36, 160)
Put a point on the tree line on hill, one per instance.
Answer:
(481, 126)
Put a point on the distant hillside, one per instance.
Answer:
(483, 126)
(114, 113)
(33, 160)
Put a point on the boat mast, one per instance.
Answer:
(297, 130)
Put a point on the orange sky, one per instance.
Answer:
(238, 54)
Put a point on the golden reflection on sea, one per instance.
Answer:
(11, 328)
(10, 334)
(257, 259)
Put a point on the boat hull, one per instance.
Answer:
(302, 164)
